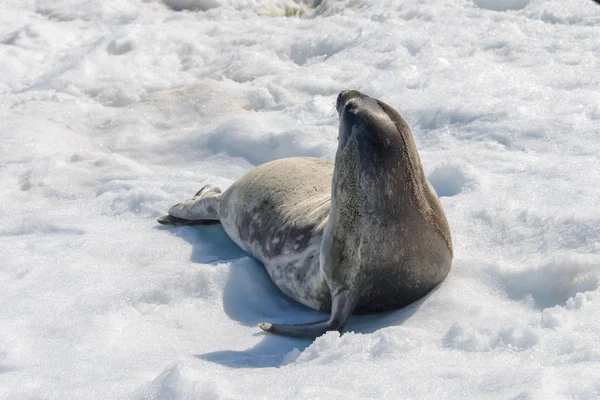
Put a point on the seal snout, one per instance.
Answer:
(345, 96)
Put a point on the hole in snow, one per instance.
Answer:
(120, 46)
(501, 5)
(191, 5)
(448, 180)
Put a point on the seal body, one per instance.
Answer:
(278, 212)
(365, 233)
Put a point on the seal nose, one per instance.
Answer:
(345, 96)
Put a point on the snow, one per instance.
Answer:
(113, 111)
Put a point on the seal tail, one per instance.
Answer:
(200, 209)
(342, 306)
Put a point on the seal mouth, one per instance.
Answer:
(345, 96)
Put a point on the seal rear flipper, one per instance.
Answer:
(203, 206)
(342, 306)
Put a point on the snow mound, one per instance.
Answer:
(551, 284)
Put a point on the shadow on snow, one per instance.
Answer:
(250, 297)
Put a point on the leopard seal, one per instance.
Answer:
(363, 234)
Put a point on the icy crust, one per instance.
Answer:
(113, 111)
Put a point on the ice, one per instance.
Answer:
(113, 111)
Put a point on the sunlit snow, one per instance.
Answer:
(112, 111)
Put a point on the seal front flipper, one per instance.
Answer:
(174, 221)
(342, 306)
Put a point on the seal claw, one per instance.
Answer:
(265, 326)
(164, 220)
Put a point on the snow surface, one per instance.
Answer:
(112, 111)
